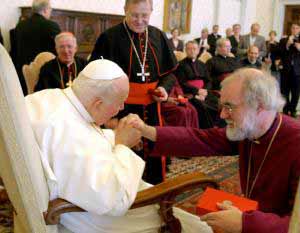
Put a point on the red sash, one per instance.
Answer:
(196, 83)
(139, 93)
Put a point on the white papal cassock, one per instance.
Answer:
(84, 166)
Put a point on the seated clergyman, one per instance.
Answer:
(61, 71)
(95, 169)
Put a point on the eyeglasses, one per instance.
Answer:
(228, 107)
(137, 15)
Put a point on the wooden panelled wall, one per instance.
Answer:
(85, 26)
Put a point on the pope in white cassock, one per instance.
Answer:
(95, 169)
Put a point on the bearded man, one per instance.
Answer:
(266, 141)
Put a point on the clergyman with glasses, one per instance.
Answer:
(266, 141)
(143, 52)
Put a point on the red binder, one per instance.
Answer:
(208, 201)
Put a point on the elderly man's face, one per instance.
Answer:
(228, 32)
(204, 34)
(113, 103)
(253, 54)
(192, 50)
(137, 16)
(255, 30)
(225, 48)
(66, 49)
(295, 29)
(236, 29)
(215, 29)
(240, 119)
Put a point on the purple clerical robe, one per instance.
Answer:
(276, 184)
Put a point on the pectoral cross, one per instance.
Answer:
(69, 83)
(143, 74)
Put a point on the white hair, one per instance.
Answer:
(258, 88)
(39, 5)
(88, 89)
(64, 35)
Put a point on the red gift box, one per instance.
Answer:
(208, 201)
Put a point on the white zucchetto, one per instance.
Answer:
(102, 69)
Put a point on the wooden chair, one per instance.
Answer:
(179, 55)
(23, 175)
(295, 219)
(205, 56)
(31, 72)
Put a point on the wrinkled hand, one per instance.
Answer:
(199, 97)
(135, 121)
(228, 220)
(297, 45)
(202, 93)
(164, 94)
(126, 134)
(290, 41)
(173, 100)
(268, 61)
(230, 54)
(206, 46)
(112, 123)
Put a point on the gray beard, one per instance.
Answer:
(247, 129)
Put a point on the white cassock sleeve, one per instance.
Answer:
(89, 170)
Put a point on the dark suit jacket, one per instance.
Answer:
(1, 38)
(212, 41)
(259, 42)
(13, 49)
(201, 48)
(33, 36)
(246, 63)
(179, 47)
(290, 58)
(234, 44)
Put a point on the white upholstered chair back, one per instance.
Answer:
(31, 72)
(179, 55)
(205, 56)
(20, 163)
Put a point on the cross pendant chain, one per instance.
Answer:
(143, 74)
(141, 63)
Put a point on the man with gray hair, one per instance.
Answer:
(91, 167)
(266, 141)
(252, 61)
(253, 38)
(61, 71)
(34, 35)
(203, 42)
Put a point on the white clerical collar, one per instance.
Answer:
(77, 104)
(252, 62)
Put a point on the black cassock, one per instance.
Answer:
(114, 44)
(50, 76)
(219, 67)
(189, 70)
